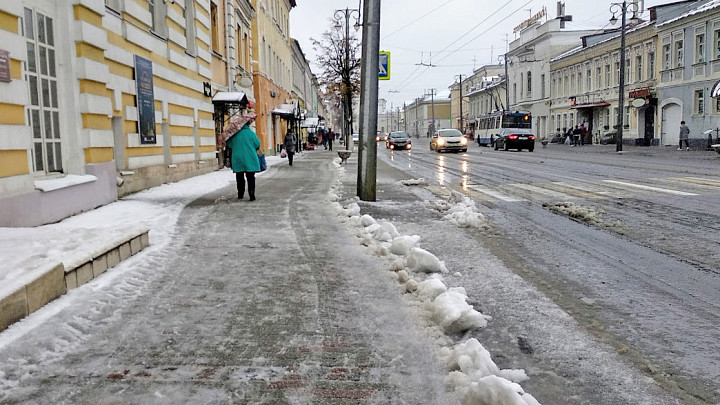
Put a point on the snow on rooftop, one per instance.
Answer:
(697, 10)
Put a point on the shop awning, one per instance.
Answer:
(310, 122)
(591, 105)
(284, 110)
(229, 97)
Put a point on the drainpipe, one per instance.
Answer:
(228, 28)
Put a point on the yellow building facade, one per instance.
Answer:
(103, 98)
(272, 66)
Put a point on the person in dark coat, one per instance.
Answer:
(290, 145)
(330, 138)
(245, 145)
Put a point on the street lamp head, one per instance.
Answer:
(613, 19)
(357, 26)
(634, 19)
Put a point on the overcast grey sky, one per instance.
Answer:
(455, 35)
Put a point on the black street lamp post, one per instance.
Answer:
(460, 83)
(622, 8)
(347, 79)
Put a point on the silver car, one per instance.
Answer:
(448, 139)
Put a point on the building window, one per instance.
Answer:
(214, 25)
(554, 88)
(514, 93)
(189, 14)
(626, 118)
(651, 65)
(566, 86)
(113, 4)
(598, 78)
(700, 48)
(616, 76)
(158, 12)
(542, 85)
(529, 84)
(717, 105)
(43, 115)
(716, 38)
(572, 84)
(666, 57)
(589, 79)
(638, 68)
(579, 82)
(521, 84)
(678, 53)
(607, 75)
(627, 70)
(700, 102)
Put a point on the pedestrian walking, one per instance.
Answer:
(330, 138)
(576, 136)
(583, 134)
(323, 137)
(290, 145)
(244, 145)
(684, 134)
(492, 140)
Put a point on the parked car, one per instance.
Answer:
(515, 138)
(356, 138)
(448, 139)
(398, 140)
(608, 138)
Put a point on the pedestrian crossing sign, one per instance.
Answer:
(384, 66)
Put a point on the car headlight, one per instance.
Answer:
(463, 141)
(441, 141)
(392, 146)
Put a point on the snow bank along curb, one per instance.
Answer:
(56, 279)
(471, 370)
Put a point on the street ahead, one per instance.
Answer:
(626, 244)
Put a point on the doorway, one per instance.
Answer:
(671, 117)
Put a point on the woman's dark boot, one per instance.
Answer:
(252, 196)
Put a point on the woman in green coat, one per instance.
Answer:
(244, 145)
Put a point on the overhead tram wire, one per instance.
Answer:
(409, 77)
(415, 20)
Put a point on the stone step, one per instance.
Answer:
(55, 279)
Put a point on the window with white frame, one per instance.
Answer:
(716, 105)
(189, 14)
(566, 86)
(42, 111)
(572, 84)
(158, 12)
(589, 79)
(699, 102)
(579, 82)
(529, 84)
(627, 70)
(521, 84)
(607, 75)
(700, 47)
(542, 85)
(626, 118)
(679, 53)
(666, 57)
(638, 68)
(598, 78)
(650, 65)
(616, 77)
(716, 43)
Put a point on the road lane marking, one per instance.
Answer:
(495, 194)
(540, 190)
(698, 180)
(649, 188)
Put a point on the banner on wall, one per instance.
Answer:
(145, 100)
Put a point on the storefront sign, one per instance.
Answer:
(5, 66)
(145, 100)
(540, 14)
(639, 93)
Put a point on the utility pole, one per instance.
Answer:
(461, 103)
(398, 118)
(507, 82)
(405, 114)
(431, 127)
(367, 156)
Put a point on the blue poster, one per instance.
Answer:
(145, 100)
